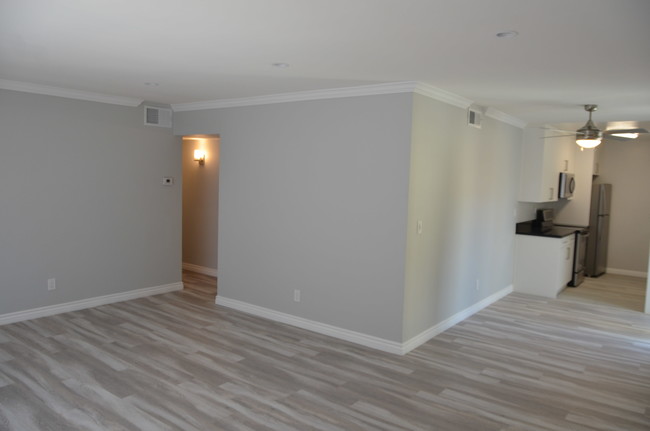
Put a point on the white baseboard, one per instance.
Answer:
(616, 271)
(428, 334)
(312, 325)
(358, 337)
(200, 269)
(50, 310)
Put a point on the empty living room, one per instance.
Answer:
(304, 215)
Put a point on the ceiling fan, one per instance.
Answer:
(590, 136)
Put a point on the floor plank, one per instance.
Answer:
(620, 291)
(178, 362)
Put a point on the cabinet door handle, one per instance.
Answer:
(550, 193)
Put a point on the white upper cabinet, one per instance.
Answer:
(543, 157)
(567, 147)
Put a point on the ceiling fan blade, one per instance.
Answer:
(639, 130)
(618, 138)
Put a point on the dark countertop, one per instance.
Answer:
(528, 228)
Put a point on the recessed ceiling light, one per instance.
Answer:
(151, 84)
(508, 34)
(280, 65)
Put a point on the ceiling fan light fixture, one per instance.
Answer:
(589, 136)
(589, 131)
(588, 143)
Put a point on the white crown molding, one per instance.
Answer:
(358, 337)
(28, 87)
(441, 95)
(51, 310)
(332, 93)
(200, 269)
(505, 118)
(335, 93)
(300, 96)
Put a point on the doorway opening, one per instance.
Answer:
(200, 162)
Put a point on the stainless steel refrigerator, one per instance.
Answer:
(601, 197)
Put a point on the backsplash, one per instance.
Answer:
(526, 210)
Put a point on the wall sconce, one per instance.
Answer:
(199, 156)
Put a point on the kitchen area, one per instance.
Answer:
(563, 231)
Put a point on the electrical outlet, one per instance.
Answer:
(419, 227)
(51, 283)
(296, 295)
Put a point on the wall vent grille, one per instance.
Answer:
(474, 118)
(160, 117)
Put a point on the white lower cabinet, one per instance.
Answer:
(543, 265)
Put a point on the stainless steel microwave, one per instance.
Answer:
(567, 185)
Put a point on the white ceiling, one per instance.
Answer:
(568, 52)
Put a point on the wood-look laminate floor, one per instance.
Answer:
(178, 362)
(621, 291)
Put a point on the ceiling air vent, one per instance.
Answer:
(474, 118)
(160, 117)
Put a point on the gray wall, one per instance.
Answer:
(201, 203)
(463, 186)
(625, 166)
(82, 201)
(313, 196)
